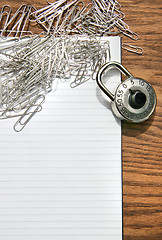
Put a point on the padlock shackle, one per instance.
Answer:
(107, 66)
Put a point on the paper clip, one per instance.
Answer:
(80, 77)
(131, 48)
(130, 34)
(25, 118)
(18, 22)
(5, 13)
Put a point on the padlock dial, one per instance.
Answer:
(135, 100)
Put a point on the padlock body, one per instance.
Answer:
(134, 100)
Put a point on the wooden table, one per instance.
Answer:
(141, 143)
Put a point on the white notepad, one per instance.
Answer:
(61, 177)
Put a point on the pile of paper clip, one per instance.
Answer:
(63, 17)
(29, 63)
(31, 66)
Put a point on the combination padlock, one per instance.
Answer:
(134, 99)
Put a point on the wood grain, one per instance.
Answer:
(141, 143)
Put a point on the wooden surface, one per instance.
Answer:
(141, 143)
(142, 153)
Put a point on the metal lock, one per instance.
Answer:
(134, 99)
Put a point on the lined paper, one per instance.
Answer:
(60, 178)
